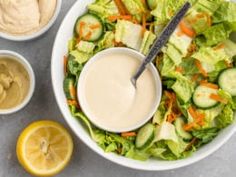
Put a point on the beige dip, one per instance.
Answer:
(14, 83)
(111, 99)
(19, 17)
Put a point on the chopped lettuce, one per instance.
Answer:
(165, 9)
(215, 34)
(181, 43)
(207, 6)
(160, 113)
(73, 66)
(174, 54)
(205, 135)
(230, 48)
(80, 57)
(135, 8)
(226, 117)
(166, 131)
(183, 88)
(129, 34)
(168, 67)
(225, 13)
(71, 44)
(86, 47)
(104, 8)
(147, 41)
(177, 148)
(107, 41)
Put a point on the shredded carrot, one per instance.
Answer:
(179, 69)
(228, 64)
(113, 18)
(187, 30)
(121, 7)
(128, 134)
(189, 126)
(144, 23)
(220, 46)
(180, 33)
(209, 85)
(88, 35)
(170, 95)
(72, 102)
(192, 112)
(172, 117)
(94, 26)
(195, 77)
(216, 97)
(65, 64)
(81, 26)
(200, 68)
(73, 91)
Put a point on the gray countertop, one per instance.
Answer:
(85, 162)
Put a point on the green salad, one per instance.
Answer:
(197, 66)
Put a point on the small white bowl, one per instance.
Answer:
(38, 33)
(19, 58)
(137, 56)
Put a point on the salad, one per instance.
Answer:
(197, 66)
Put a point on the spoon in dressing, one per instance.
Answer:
(161, 41)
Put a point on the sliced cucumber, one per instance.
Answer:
(201, 97)
(227, 81)
(179, 123)
(69, 87)
(145, 136)
(89, 27)
(152, 4)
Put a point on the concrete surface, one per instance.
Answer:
(85, 163)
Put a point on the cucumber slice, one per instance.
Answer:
(90, 27)
(179, 122)
(145, 136)
(201, 97)
(69, 87)
(227, 81)
(152, 4)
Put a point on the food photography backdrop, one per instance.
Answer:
(84, 162)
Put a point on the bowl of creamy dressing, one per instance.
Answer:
(17, 82)
(107, 96)
(22, 20)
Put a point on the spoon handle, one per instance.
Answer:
(161, 41)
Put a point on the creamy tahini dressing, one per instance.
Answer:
(110, 96)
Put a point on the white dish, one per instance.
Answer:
(27, 66)
(38, 33)
(137, 56)
(59, 50)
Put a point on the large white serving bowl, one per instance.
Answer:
(59, 50)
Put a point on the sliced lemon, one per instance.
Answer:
(44, 148)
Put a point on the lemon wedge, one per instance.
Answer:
(44, 148)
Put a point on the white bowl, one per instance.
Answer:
(136, 55)
(19, 58)
(59, 50)
(37, 33)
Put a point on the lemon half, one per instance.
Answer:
(44, 148)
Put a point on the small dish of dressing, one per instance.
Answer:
(107, 96)
(17, 82)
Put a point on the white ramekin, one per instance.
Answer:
(37, 33)
(134, 54)
(27, 66)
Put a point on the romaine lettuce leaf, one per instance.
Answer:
(174, 54)
(166, 131)
(137, 154)
(183, 88)
(226, 117)
(180, 42)
(129, 34)
(147, 41)
(86, 47)
(168, 67)
(216, 34)
(160, 113)
(135, 8)
(107, 41)
(165, 10)
(225, 13)
(177, 148)
(80, 57)
(205, 135)
(207, 6)
(230, 48)
(104, 8)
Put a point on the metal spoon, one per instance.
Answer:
(161, 41)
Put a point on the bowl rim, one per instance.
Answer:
(138, 56)
(169, 165)
(22, 60)
(38, 33)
